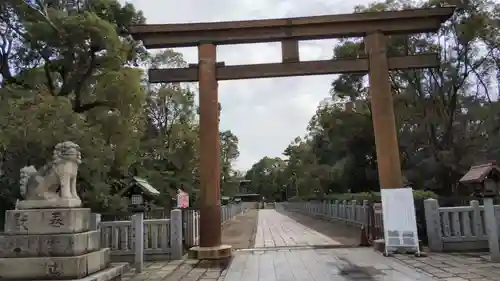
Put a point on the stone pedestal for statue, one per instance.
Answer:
(54, 244)
(48, 236)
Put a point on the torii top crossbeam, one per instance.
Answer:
(300, 28)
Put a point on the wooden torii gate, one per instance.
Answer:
(372, 26)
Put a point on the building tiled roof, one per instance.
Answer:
(478, 173)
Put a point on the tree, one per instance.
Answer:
(446, 118)
(267, 179)
(71, 46)
(169, 144)
(69, 71)
(228, 153)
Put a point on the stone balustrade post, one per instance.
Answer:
(354, 205)
(138, 227)
(433, 224)
(364, 212)
(95, 220)
(491, 228)
(176, 234)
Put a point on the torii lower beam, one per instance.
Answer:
(270, 70)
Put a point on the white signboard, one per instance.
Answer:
(400, 222)
(377, 208)
(182, 200)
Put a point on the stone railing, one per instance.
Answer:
(230, 211)
(191, 222)
(191, 227)
(350, 212)
(456, 228)
(117, 235)
(162, 239)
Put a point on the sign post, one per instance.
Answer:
(400, 222)
(182, 199)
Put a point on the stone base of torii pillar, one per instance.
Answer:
(220, 252)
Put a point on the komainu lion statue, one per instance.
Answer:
(54, 185)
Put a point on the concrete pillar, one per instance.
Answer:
(210, 213)
(491, 229)
(138, 226)
(176, 235)
(95, 220)
(384, 124)
(365, 215)
(433, 225)
(477, 221)
(354, 205)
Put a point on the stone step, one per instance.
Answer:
(49, 245)
(47, 221)
(54, 268)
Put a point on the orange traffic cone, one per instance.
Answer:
(363, 239)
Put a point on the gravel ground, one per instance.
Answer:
(345, 234)
(240, 231)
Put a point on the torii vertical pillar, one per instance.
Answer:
(384, 123)
(386, 141)
(210, 209)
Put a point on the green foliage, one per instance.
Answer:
(267, 178)
(446, 118)
(68, 71)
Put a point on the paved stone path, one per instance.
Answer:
(286, 250)
(454, 266)
(178, 270)
(354, 264)
(360, 264)
(278, 230)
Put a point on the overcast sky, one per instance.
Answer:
(265, 114)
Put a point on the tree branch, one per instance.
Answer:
(86, 107)
(79, 85)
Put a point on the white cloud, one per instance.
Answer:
(265, 114)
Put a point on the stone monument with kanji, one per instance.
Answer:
(48, 236)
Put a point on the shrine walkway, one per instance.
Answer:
(275, 229)
(287, 250)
